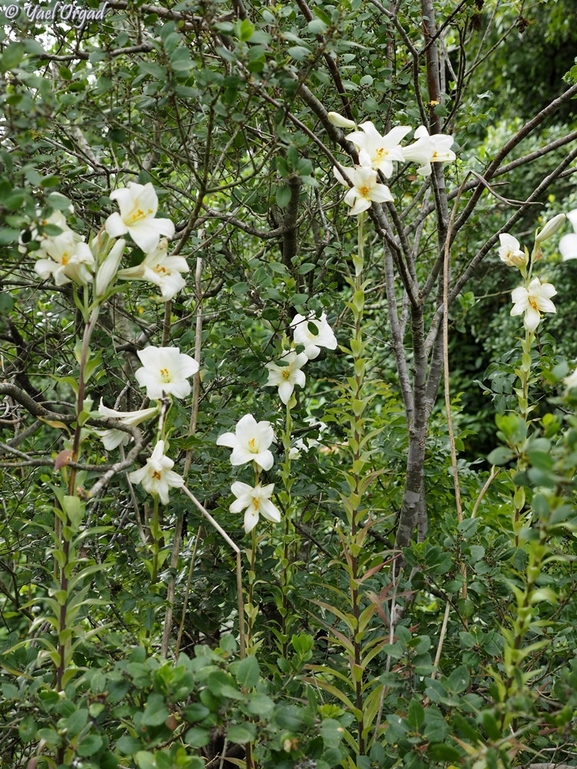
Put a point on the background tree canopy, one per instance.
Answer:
(413, 607)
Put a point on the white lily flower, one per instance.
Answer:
(378, 151)
(510, 251)
(108, 269)
(165, 371)
(286, 377)
(551, 228)
(70, 259)
(365, 189)
(306, 444)
(112, 438)
(429, 149)
(339, 121)
(568, 246)
(568, 243)
(572, 216)
(533, 301)
(571, 381)
(250, 442)
(320, 426)
(138, 205)
(132, 418)
(312, 342)
(157, 476)
(297, 448)
(160, 269)
(59, 220)
(255, 501)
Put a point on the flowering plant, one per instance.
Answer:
(250, 442)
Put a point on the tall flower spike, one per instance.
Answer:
(313, 341)
(365, 189)
(532, 302)
(165, 371)
(378, 151)
(249, 443)
(255, 501)
(138, 205)
(287, 376)
(157, 476)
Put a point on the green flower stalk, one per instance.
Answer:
(287, 553)
(530, 300)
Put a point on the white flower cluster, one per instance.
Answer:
(310, 333)
(377, 154)
(534, 297)
(251, 443)
(164, 372)
(67, 258)
(251, 440)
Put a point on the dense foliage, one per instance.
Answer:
(390, 582)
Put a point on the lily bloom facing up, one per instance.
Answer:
(378, 151)
(138, 205)
(365, 189)
(250, 442)
(165, 371)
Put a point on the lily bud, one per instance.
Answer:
(109, 267)
(550, 228)
(341, 122)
